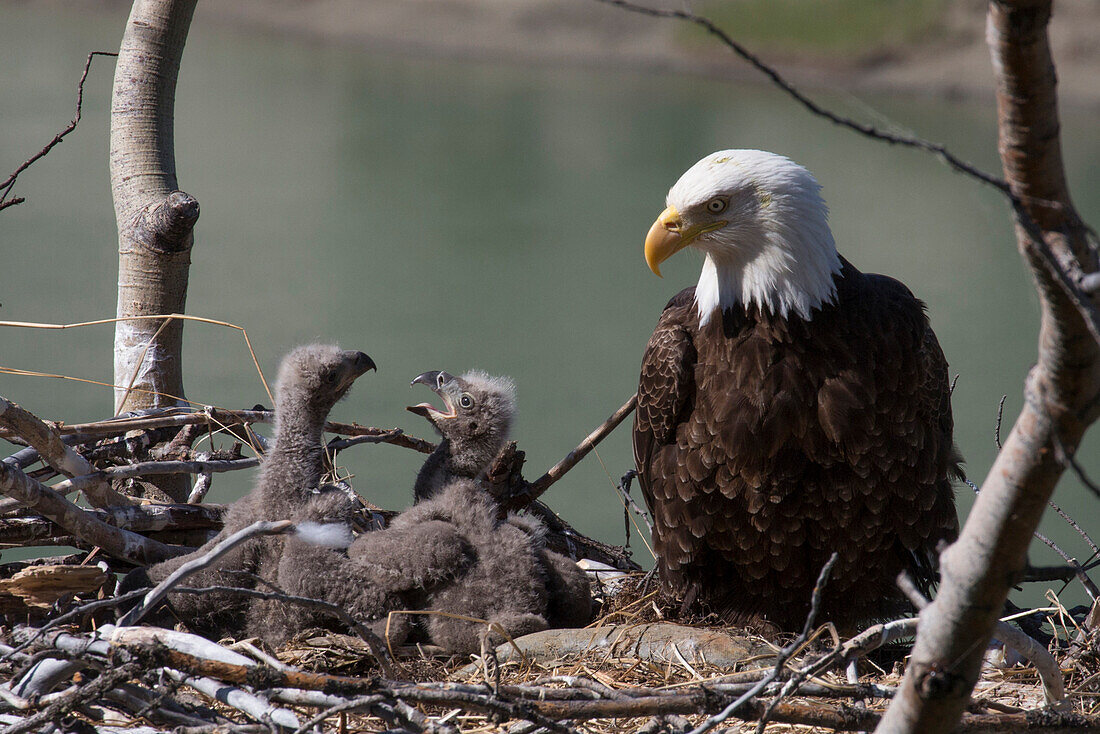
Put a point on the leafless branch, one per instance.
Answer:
(780, 661)
(1070, 276)
(1000, 416)
(204, 561)
(216, 418)
(377, 647)
(518, 497)
(555, 472)
(9, 182)
(813, 107)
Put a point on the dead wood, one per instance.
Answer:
(47, 442)
(661, 642)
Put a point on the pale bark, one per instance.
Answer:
(116, 542)
(1061, 394)
(47, 441)
(154, 220)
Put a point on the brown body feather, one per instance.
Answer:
(765, 444)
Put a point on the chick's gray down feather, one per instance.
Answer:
(311, 380)
(477, 417)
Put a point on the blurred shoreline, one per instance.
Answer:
(951, 60)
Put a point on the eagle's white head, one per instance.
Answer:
(761, 223)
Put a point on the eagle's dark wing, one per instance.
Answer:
(666, 390)
(909, 453)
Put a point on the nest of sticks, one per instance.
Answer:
(74, 658)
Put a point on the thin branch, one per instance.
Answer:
(780, 660)
(864, 129)
(73, 613)
(529, 492)
(624, 491)
(218, 417)
(245, 702)
(339, 444)
(8, 183)
(197, 564)
(78, 695)
(146, 468)
(1066, 458)
(1000, 416)
(387, 663)
(590, 441)
(1090, 588)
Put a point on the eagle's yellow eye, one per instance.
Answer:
(717, 205)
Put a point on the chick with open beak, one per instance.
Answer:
(474, 423)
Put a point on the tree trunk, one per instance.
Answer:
(155, 220)
(1061, 395)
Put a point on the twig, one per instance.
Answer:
(780, 660)
(386, 662)
(1090, 587)
(197, 564)
(813, 107)
(338, 444)
(9, 182)
(624, 491)
(1068, 459)
(1000, 416)
(242, 700)
(172, 417)
(146, 468)
(353, 704)
(1070, 280)
(77, 611)
(1073, 524)
(798, 678)
(534, 490)
(53, 713)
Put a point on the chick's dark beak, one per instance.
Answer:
(431, 379)
(365, 362)
(355, 365)
(360, 363)
(438, 382)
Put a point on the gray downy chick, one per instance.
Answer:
(476, 420)
(474, 423)
(503, 580)
(382, 571)
(311, 380)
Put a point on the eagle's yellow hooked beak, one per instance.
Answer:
(667, 236)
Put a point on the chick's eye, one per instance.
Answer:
(329, 376)
(717, 205)
(466, 401)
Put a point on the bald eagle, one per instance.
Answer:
(789, 406)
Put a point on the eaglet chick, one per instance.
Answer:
(474, 424)
(311, 380)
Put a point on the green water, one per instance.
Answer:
(446, 215)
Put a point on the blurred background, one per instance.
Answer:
(451, 185)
